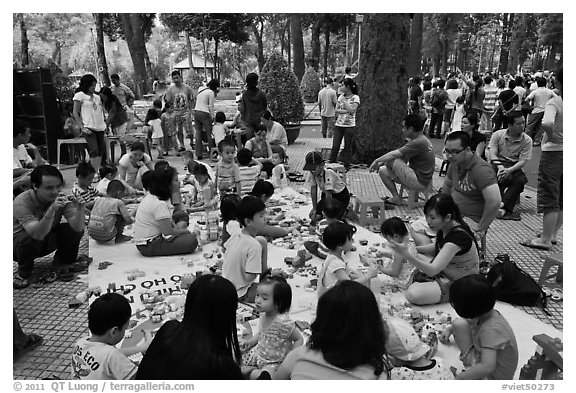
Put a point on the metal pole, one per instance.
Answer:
(359, 43)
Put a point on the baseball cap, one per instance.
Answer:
(403, 342)
(313, 159)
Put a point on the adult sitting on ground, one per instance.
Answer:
(155, 232)
(37, 230)
(275, 133)
(471, 181)
(412, 165)
(22, 162)
(455, 253)
(252, 104)
(261, 149)
(347, 342)
(509, 151)
(132, 165)
(205, 344)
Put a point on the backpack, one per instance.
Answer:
(513, 285)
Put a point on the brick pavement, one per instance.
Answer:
(44, 310)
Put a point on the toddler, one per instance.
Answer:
(168, 123)
(279, 179)
(249, 170)
(155, 131)
(230, 224)
(277, 333)
(227, 172)
(205, 190)
(486, 341)
(219, 129)
(110, 215)
(331, 211)
(82, 188)
(96, 357)
(394, 229)
(409, 354)
(337, 238)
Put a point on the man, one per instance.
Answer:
(414, 94)
(490, 97)
(22, 162)
(471, 181)
(125, 96)
(510, 149)
(412, 165)
(37, 230)
(181, 96)
(327, 104)
(538, 98)
(550, 171)
(348, 72)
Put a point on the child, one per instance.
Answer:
(230, 224)
(331, 211)
(107, 173)
(486, 341)
(168, 122)
(249, 170)
(279, 179)
(263, 189)
(110, 215)
(96, 357)
(277, 334)
(394, 229)
(83, 189)
(205, 189)
(337, 238)
(156, 134)
(246, 254)
(409, 354)
(219, 129)
(331, 179)
(227, 172)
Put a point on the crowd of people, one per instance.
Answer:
(349, 337)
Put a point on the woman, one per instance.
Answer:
(117, 117)
(88, 113)
(155, 233)
(204, 115)
(470, 126)
(261, 149)
(346, 108)
(453, 94)
(348, 339)
(455, 253)
(252, 105)
(132, 165)
(275, 133)
(476, 99)
(204, 346)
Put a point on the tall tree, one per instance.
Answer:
(101, 53)
(258, 23)
(385, 47)
(315, 42)
(25, 58)
(551, 36)
(297, 45)
(415, 57)
(507, 24)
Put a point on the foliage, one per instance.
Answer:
(194, 80)
(310, 85)
(63, 85)
(280, 84)
(114, 27)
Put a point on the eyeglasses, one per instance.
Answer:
(452, 152)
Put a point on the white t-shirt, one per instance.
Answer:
(327, 275)
(459, 113)
(156, 125)
(278, 135)
(131, 171)
(151, 210)
(347, 119)
(100, 361)
(20, 157)
(243, 255)
(91, 111)
(102, 186)
(279, 179)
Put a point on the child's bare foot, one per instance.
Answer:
(123, 238)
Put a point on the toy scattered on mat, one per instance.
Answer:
(104, 265)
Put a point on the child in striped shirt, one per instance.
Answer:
(249, 170)
(82, 189)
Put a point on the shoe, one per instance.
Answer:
(511, 217)
(34, 341)
(19, 282)
(122, 239)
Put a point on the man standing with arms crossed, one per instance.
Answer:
(327, 104)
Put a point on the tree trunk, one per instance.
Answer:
(23, 41)
(315, 58)
(444, 69)
(289, 43)
(188, 52)
(132, 24)
(216, 68)
(508, 23)
(385, 47)
(326, 48)
(101, 53)
(415, 45)
(297, 45)
(260, 43)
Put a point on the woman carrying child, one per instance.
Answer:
(155, 233)
(455, 253)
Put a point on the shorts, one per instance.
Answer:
(253, 359)
(443, 282)
(549, 196)
(157, 141)
(403, 174)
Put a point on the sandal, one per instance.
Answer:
(531, 244)
(295, 177)
(34, 341)
(554, 242)
(20, 283)
(66, 276)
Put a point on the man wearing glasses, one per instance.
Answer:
(471, 181)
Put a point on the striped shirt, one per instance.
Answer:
(491, 95)
(84, 196)
(248, 177)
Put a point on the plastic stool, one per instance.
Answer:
(73, 141)
(444, 168)
(550, 261)
(376, 205)
(414, 195)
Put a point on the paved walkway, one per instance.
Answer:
(44, 310)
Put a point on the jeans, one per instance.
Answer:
(203, 125)
(328, 126)
(61, 238)
(511, 188)
(346, 133)
(435, 125)
(184, 243)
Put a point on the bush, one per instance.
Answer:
(280, 84)
(194, 80)
(310, 85)
(63, 85)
